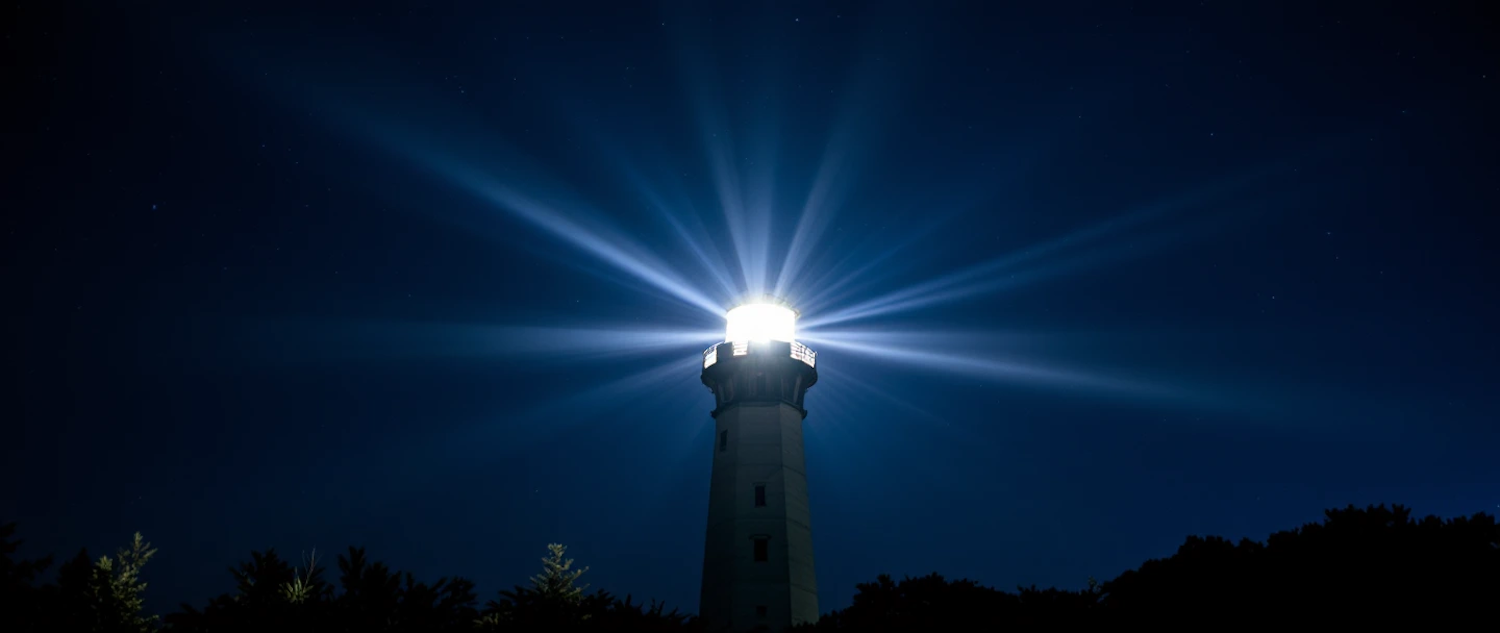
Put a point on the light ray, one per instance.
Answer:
(949, 287)
(628, 163)
(744, 186)
(760, 203)
(684, 221)
(593, 342)
(745, 200)
(824, 199)
(874, 346)
(642, 384)
(928, 292)
(521, 431)
(336, 340)
(719, 149)
(848, 145)
(833, 293)
(492, 171)
(851, 379)
(1010, 281)
(612, 247)
(698, 242)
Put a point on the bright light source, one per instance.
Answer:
(760, 322)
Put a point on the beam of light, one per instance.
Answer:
(747, 194)
(592, 342)
(870, 392)
(999, 280)
(511, 432)
(611, 247)
(869, 96)
(928, 292)
(605, 243)
(873, 345)
(695, 238)
(760, 204)
(843, 285)
(983, 277)
(748, 231)
(700, 244)
(680, 215)
(499, 178)
(826, 196)
(338, 340)
(747, 221)
(647, 383)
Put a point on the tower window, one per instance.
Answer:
(760, 611)
(762, 549)
(723, 440)
(760, 495)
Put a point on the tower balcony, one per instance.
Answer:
(797, 351)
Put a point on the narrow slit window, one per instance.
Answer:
(760, 495)
(723, 440)
(762, 549)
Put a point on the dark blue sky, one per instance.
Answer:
(1085, 277)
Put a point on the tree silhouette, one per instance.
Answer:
(272, 594)
(21, 600)
(932, 603)
(555, 601)
(1372, 566)
(259, 601)
(1375, 565)
(1368, 566)
(103, 596)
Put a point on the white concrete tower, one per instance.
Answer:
(758, 557)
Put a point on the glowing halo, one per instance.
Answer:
(760, 322)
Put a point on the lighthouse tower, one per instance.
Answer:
(758, 557)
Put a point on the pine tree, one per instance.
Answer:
(125, 585)
(557, 577)
(552, 602)
(107, 595)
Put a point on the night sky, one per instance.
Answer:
(1084, 277)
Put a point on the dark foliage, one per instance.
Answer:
(932, 603)
(1375, 565)
(88, 595)
(271, 594)
(1368, 566)
(526, 610)
(21, 600)
(1359, 566)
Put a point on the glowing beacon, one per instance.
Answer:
(758, 557)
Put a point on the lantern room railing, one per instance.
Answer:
(740, 348)
(805, 354)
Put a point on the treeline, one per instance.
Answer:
(1368, 566)
(1372, 566)
(272, 594)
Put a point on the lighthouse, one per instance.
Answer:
(758, 555)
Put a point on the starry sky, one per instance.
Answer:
(1084, 277)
